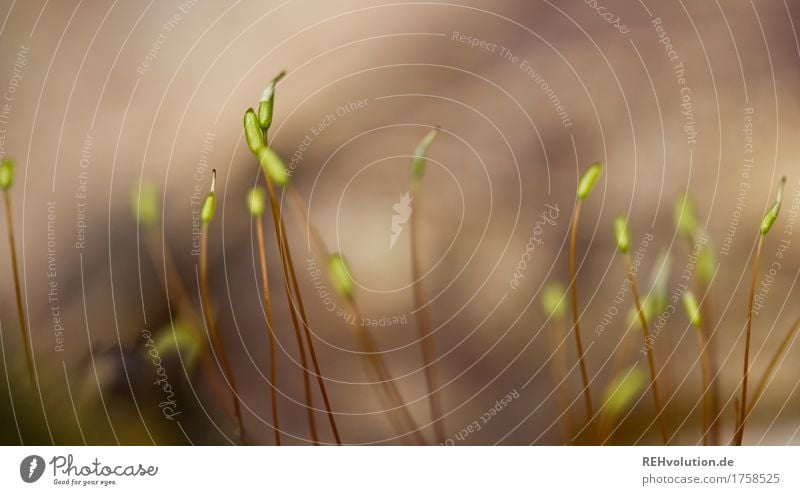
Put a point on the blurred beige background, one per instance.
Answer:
(105, 93)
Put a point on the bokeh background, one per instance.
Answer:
(672, 96)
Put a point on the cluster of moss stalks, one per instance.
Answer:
(626, 384)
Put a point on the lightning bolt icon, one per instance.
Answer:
(32, 467)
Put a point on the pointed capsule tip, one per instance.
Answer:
(623, 235)
(589, 179)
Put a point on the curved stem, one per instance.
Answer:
(23, 326)
(558, 368)
(650, 359)
(171, 278)
(711, 391)
(297, 308)
(746, 367)
(773, 363)
(424, 328)
(367, 343)
(273, 368)
(214, 333)
(576, 329)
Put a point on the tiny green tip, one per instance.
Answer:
(419, 158)
(685, 215)
(589, 179)
(144, 205)
(772, 214)
(269, 91)
(706, 263)
(210, 204)
(255, 201)
(6, 174)
(554, 300)
(252, 132)
(267, 102)
(692, 309)
(623, 234)
(340, 275)
(623, 389)
(273, 166)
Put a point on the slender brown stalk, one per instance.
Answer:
(365, 339)
(650, 359)
(705, 366)
(172, 279)
(576, 329)
(715, 415)
(711, 393)
(273, 368)
(23, 326)
(381, 370)
(558, 368)
(296, 303)
(742, 417)
(773, 364)
(214, 333)
(424, 328)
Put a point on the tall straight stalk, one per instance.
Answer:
(695, 318)
(558, 370)
(708, 355)
(705, 367)
(624, 244)
(206, 215)
(650, 359)
(418, 165)
(424, 328)
(764, 228)
(296, 305)
(23, 326)
(381, 370)
(153, 242)
(576, 328)
(256, 127)
(687, 225)
(378, 365)
(273, 367)
(746, 364)
(773, 363)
